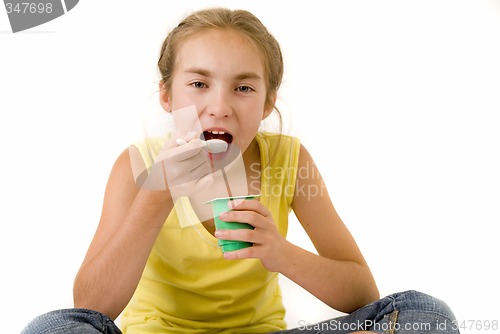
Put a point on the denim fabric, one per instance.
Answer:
(409, 312)
(72, 321)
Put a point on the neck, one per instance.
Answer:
(251, 154)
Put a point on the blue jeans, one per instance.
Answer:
(409, 312)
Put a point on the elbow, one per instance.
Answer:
(81, 295)
(81, 298)
(367, 290)
(81, 292)
(78, 295)
(369, 295)
(360, 295)
(356, 304)
(86, 303)
(85, 298)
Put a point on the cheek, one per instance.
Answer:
(179, 97)
(251, 126)
(179, 101)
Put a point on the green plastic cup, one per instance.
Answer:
(219, 205)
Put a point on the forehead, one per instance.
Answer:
(224, 50)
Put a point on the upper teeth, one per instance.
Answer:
(216, 132)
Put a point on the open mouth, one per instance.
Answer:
(213, 134)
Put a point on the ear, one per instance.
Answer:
(165, 98)
(269, 106)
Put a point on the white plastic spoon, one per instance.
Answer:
(212, 145)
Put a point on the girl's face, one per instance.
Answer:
(221, 73)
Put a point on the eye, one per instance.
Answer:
(199, 84)
(244, 89)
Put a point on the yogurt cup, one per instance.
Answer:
(219, 206)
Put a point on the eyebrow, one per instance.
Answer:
(248, 75)
(239, 76)
(196, 70)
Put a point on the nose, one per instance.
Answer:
(219, 104)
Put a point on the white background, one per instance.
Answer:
(398, 102)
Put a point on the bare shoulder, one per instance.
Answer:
(121, 188)
(310, 185)
(126, 181)
(127, 166)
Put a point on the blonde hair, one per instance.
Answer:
(241, 21)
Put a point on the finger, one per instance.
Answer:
(249, 217)
(187, 151)
(199, 171)
(244, 253)
(186, 174)
(204, 182)
(176, 139)
(180, 141)
(182, 152)
(241, 234)
(190, 135)
(249, 205)
(184, 139)
(187, 166)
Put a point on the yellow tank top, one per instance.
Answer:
(187, 286)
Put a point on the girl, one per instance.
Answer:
(155, 257)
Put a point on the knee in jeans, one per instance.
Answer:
(419, 301)
(71, 321)
(44, 322)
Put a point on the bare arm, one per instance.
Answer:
(130, 222)
(339, 275)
